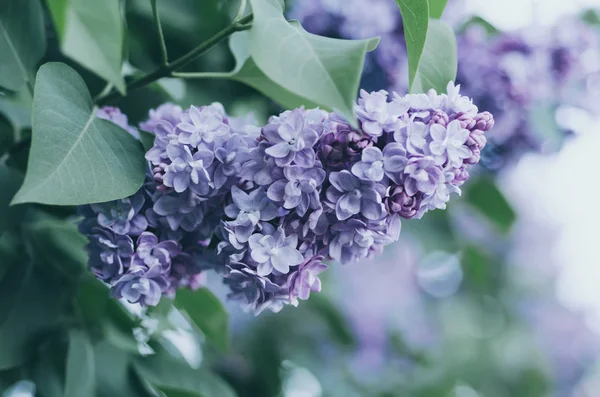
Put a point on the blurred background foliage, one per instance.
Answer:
(447, 311)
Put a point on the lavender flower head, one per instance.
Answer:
(266, 212)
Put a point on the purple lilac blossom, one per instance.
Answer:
(115, 116)
(267, 211)
(514, 75)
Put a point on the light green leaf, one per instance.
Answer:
(248, 73)
(207, 312)
(439, 63)
(91, 33)
(484, 195)
(176, 378)
(321, 70)
(22, 41)
(10, 180)
(415, 18)
(80, 378)
(436, 8)
(75, 157)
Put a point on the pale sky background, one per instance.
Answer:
(562, 191)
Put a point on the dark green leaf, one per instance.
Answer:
(7, 134)
(58, 243)
(49, 368)
(322, 70)
(147, 140)
(439, 61)
(22, 41)
(10, 180)
(114, 375)
(75, 157)
(415, 18)
(33, 313)
(91, 32)
(336, 322)
(207, 312)
(11, 287)
(478, 270)
(484, 195)
(80, 377)
(16, 107)
(436, 8)
(176, 378)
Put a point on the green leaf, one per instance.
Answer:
(439, 61)
(415, 18)
(17, 109)
(22, 41)
(490, 29)
(91, 33)
(114, 375)
(147, 139)
(75, 157)
(80, 378)
(10, 180)
(436, 8)
(34, 313)
(58, 243)
(11, 286)
(321, 70)
(176, 378)
(207, 312)
(484, 195)
(247, 72)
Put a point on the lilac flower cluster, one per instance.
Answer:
(267, 207)
(521, 77)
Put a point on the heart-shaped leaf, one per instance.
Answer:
(76, 158)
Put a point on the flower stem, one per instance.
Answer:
(161, 37)
(167, 69)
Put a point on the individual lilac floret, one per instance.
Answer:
(110, 253)
(377, 115)
(422, 175)
(449, 144)
(374, 164)
(231, 156)
(306, 279)
(292, 139)
(351, 196)
(401, 203)
(141, 285)
(122, 216)
(188, 169)
(151, 253)
(202, 125)
(116, 117)
(166, 112)
(256, 293)
(247, 210)
(274, 252)
(177, 211)
(353, 241)
(299, 190)
(414, 135)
